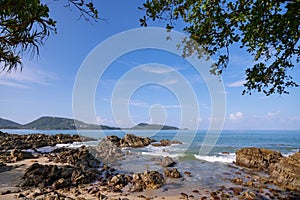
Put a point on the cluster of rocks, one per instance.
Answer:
(32, 141)
(15, 155)
(130, 140)
(283, 171)
(80, 167)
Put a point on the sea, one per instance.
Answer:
(208, 155)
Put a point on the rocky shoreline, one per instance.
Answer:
(87, 173)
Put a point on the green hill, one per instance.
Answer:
(59, 123)
(4, 123)
(145, 126)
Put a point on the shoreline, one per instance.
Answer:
(236, 181)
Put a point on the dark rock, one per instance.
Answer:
(131, 140)
(17, 155)
(257, 158)
(118, 181)
(32, 141)
(77, 157)
(114, 139)
(172, 173)
(286, 173)
(146, 180)
(166, 142)
(167, 162)
(38, 175)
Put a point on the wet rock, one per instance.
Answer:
(114, 139)
(76, 157)
(167, 162)
(166, 142)
(257, 158)
(32, 141)
(131, 140)
(286, 173)
(172, 173)
(108, 151)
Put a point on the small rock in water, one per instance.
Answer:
(167, 162)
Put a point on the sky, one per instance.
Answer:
(145, 85)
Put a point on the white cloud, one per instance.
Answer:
(12, 84)
(236, 116)
(29, 75)
(272, 114)
(170, 82)
(157, 69)
(239, 83)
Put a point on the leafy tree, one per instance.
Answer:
(267, 29)
(26, 24)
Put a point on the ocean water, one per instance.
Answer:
(209, 170)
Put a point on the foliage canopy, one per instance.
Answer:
(26, 24)
(268, 30)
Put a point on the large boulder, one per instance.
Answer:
(76, 157)
(257, 158)
(38, 175)
(146, 180)
(286, 173)
(108, 151)
(131, 140)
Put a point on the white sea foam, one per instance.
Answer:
(229, 158)
(48, 149)
(170, 151)
(291, 152)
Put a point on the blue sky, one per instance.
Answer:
(45, 86)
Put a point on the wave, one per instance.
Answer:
(229, 158)
(170, 151)
(48, 149)
(291, 152)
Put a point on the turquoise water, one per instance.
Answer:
(285, 141)
(208, 171)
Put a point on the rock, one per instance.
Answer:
(114, 139)
(131, 140)
(38, 175)
(167, 162)
(146, 180)
(31, 141)
(118, 181)
(257, 158)
(166, 142)
(286, 173)
(60, 183)
(172, 173)
(108, 151)
(17, 155)
(76, 157)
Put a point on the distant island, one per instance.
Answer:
(59, 123)
(145, 126)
